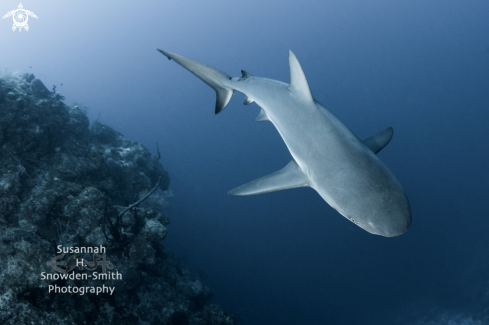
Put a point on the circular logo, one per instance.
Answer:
(20, 18)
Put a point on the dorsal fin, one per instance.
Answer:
(245, 75)
(379, 140)
(298, 81)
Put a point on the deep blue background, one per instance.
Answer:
(287, 257)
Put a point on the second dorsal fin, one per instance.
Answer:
(298, 81)
(245, 75)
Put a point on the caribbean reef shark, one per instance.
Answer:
(326, 155)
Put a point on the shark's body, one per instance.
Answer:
(327, 156)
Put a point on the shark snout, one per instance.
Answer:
(392, 224)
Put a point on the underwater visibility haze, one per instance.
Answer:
(420, 67)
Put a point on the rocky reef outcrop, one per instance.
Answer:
(67, 187)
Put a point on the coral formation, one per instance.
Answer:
(59, 182)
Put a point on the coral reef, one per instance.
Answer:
(62, 185)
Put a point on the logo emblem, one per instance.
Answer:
(20, 17)
(80, 263)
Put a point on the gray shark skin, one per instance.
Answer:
(327, 156)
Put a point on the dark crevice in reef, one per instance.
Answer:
(63, 183)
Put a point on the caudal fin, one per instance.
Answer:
(213, 77)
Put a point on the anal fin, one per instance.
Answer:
(291, 176)
(248, 100)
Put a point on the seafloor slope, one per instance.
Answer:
(62, 183)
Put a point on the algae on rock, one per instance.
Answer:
(57, 177)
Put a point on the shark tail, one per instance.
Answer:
(218, 80)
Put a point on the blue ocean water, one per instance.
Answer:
(421, 67)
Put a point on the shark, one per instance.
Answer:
(326, 156)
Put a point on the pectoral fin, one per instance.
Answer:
(290, 176)
(379, 140)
